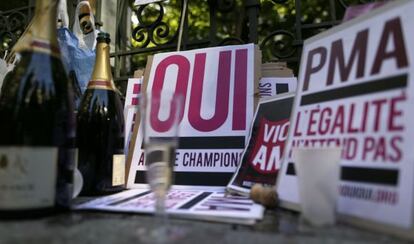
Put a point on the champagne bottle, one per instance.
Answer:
(100, 133)
(37, 125)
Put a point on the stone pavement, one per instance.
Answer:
(278, 226)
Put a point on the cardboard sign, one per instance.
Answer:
(272, 86)
(276, 79)
(143, 2)
(218, 85)
(354, 11)
(130, 109)
(206, 204)
(133, 91)
(261, 160)
(355, 90)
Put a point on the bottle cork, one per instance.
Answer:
(266, 196)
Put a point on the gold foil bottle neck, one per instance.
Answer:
(101, 75)
(41, 33)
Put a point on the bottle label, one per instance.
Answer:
(100, 84)
(118, 170)
(27, 177)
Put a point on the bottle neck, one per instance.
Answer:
(41, 34)
(101, 75)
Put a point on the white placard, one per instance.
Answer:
(207, 204)
(133, 91)
(218, 85)
(355, 91)
(272, 86)
(143, 2)
(131, 109)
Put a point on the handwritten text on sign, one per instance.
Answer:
(217, 85)
(353, 92)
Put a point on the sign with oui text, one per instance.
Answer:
(217, 85)
(356, 91)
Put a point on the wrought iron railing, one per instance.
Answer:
(279, 27)
(279, 40)
(12, 25)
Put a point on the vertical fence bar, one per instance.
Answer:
(98, 11)
(183, 26)
(30, 10)
(298, 22)
(333, 10)
(213, 22)
(119, 36)
(252, 9)
(185, 33)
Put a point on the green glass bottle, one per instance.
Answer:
(100, 133)
(37, 125)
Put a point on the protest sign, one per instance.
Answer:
(261, 159)
(207, 205)
(276, 78)
(272, 86)
(218, 85)
(131, 108)
(355, 90)
(143, 2)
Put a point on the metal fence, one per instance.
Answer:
(279, 27)
(254, 21)
(12, 24)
